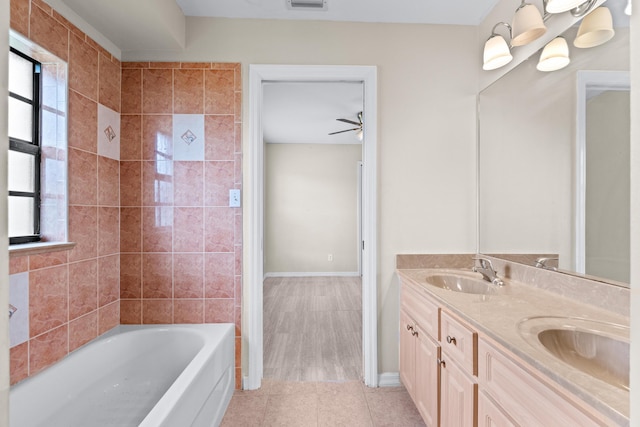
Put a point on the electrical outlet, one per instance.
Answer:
(234, 198)
(330, 257)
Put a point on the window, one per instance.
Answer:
(24, 148)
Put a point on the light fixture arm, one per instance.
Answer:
(495, 27)
(583, 9)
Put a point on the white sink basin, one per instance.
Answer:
(599, 349)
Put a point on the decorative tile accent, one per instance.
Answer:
(19, 298)
(188, 137)
(108, 132)
(111, 134)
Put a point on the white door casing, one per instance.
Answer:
(253, 283)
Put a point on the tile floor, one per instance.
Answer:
(309, 404)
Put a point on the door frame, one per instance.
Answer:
(253, 280)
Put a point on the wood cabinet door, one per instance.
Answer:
(427, 383)
(458, 394)
(407, 353)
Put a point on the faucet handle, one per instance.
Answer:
(484, 263)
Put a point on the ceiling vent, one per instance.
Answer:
(307, 4)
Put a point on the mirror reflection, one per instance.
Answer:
(554, 160)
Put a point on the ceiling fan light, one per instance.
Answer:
(527, 25)
(595, 29)
(496, 53)
(554, 56)
(559, 6)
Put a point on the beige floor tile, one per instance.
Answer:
(335, 387)
(393, 409)
(297, 410)
(277, 387)
(343, 409)
(245, 411)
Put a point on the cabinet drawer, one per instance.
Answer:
(490, 415)
(420, 307)
(459, 342)
(521, 395)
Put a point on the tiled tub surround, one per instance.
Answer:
(497, 317)
(180, 242)
(73, 295)
(184, 270)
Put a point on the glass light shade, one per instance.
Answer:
(559, 6)
(554, 56)
(595, 29)
(360, 135)
(496, 53)
(627, 9)
(527, 25)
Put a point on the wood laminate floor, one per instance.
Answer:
(313, 328)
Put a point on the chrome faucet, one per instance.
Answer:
(542, 263)
(12, 309)
(484, 267)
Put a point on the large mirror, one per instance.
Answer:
(554, 161)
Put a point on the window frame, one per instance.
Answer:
(32, 148)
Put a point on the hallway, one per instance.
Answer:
(313, 328)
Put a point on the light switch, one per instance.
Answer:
(234, 198)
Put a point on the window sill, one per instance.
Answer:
(39, 248)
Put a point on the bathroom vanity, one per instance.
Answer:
(476, 354)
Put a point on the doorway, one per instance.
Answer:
(254, 268)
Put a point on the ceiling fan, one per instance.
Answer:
(358, 129)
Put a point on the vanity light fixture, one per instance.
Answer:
(496, 51)
(595, 29)
(527, 25)
(627, 9)
(554, 56)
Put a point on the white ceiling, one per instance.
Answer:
(462, 12)
(307, 112)
(143, 25)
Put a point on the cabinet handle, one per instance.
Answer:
(414, 333)
(409, 327)
(451, 340)
(442, 363)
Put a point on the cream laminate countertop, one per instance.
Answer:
(497, 316)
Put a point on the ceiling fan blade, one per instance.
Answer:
(342, 131)
(351, 122)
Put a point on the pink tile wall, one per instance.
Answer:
(180, 243)
(74, 295)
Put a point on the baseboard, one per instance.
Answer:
(389, 379)
(314, 274)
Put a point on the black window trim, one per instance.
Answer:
(32, 148)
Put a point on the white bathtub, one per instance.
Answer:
(147, 376)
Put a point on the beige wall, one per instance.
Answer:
(311, 208)
(4, 255)
(607, 198)
(427, 80)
